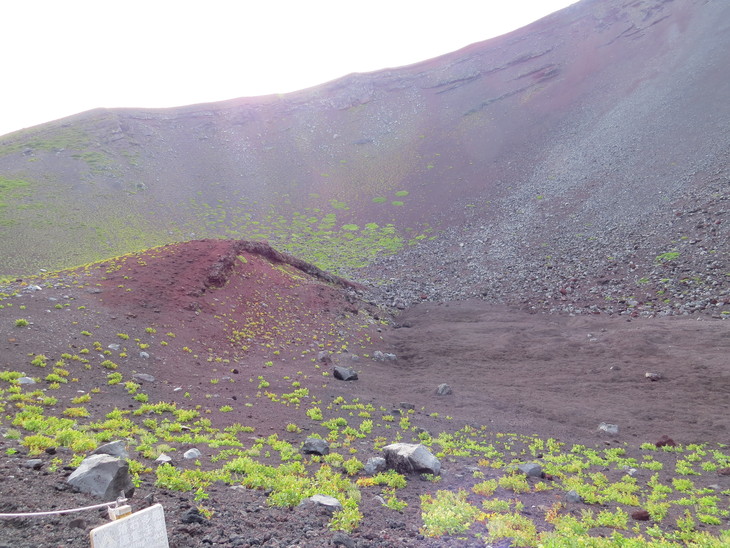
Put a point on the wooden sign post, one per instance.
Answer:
(143, 529)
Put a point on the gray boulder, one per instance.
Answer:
(443, 390)
(116, 448)
(345, 373)
(531, 469)
(164, 459)
(341, 539)
(144, 377)
(315, 446)
(192, 454)
(33, 464)
(572, 496)
(374, 465)
(102, 476)
(408, 458)
(330, 504)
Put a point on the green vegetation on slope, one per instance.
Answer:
(10, 190)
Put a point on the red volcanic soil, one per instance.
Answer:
(226, 308)
(255, 295)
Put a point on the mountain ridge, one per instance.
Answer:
(558, 135)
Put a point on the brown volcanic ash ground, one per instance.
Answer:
(551, 375)
(562, 376)
(520, 372)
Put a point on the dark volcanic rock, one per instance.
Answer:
(315, 446)
(345, 373)
(102, 476)
(116, 448)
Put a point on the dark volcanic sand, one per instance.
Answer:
(557, 375)
(551, 375)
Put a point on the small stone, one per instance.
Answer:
(26, 380)
(192, 516)
(193, 453)
(315, 446)
(114, 346)
(341, 539)
(531, 469)
(164, 459)
(406, 406)
(573, 496)
(419, 430)
(144, 355)
(33, 464)
(724, 471)
(640, 515)
(608, 428)
(330, 503)
(443, 390)
(653, 375)
(78, 523)
(345, 373)
(144, 377)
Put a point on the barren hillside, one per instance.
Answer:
(513, 258)
(578, 151)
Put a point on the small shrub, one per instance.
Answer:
(114, 378)
(448, 513)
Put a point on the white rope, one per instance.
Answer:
(69, 511)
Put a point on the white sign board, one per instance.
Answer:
(143, 529)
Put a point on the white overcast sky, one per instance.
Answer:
(61, 57)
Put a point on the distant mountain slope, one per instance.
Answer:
(576, 139)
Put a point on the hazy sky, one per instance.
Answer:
(63, 57)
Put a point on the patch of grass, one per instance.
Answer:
(667, 257)
(447, 513)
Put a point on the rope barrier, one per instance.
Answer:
(69, 511)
